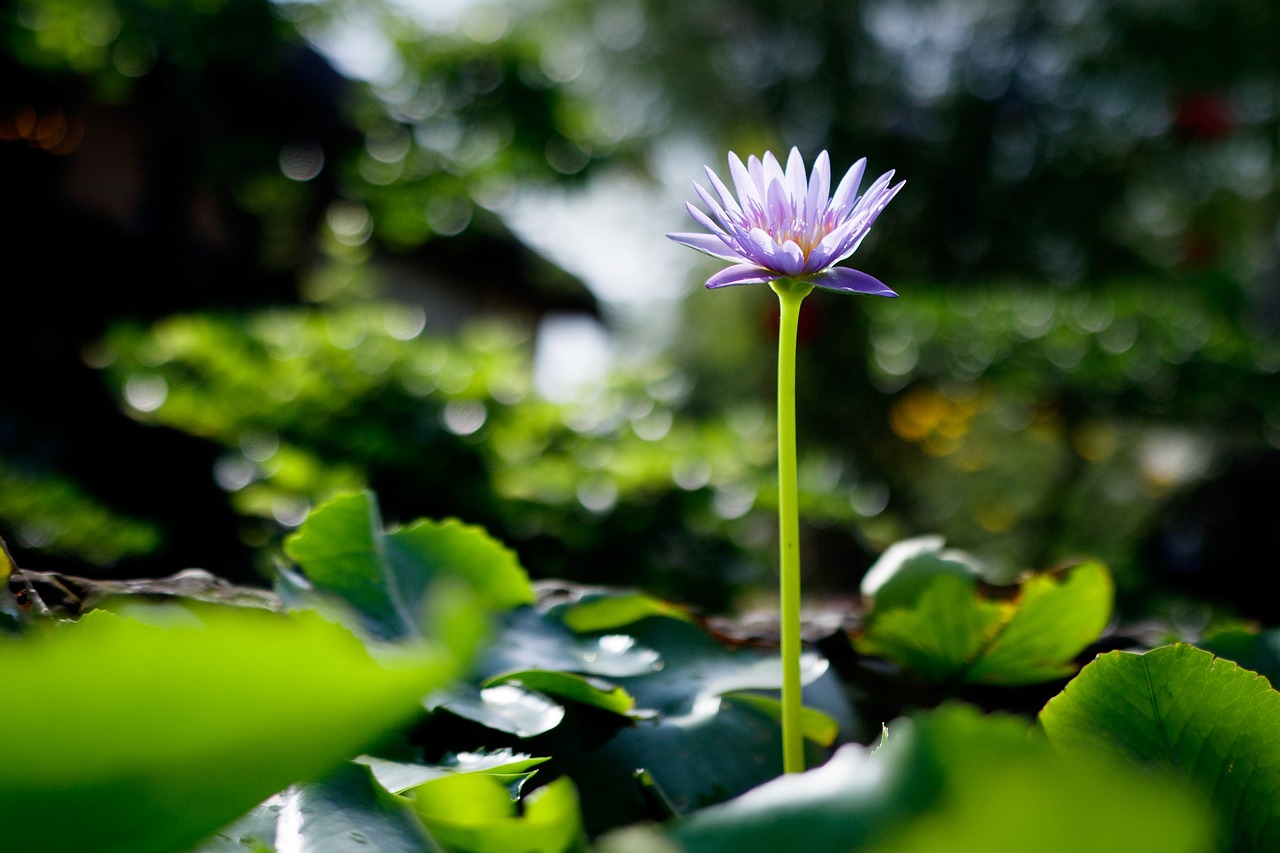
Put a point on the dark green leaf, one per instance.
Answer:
(346, 812)
(530, 639)
(505, 707)
(700, 747)
(385, 576)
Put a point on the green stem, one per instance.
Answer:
(790, 295)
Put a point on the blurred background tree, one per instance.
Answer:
(259, 252)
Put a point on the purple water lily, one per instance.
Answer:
(784, 225)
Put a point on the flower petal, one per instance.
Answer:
(710, 202)
(730, 203)
(708, 244)
(761, 248)
(834, 247)
(847, 280)
(847, 190)
(756, 170)
(875, 191)
(779, 205)
(704, 220)
(797, 181)
(772, 170)
(819, 187)
(790, 258)
(748, 193)
(741, 274)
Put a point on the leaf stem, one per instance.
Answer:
(790, 295)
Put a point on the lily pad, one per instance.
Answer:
(528, 638)
(506, 708)
(1191, 714)
(953, 780)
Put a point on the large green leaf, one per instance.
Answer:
(1199, 717)
(951, 781)
(703, 728)
(385, 575)
(931, 616)
(140, 737)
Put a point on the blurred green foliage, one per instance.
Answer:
(534, 743)
(1086, 250)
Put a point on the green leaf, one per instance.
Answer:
(603, 612)
(474, 813)
(701, 746)
(253, 833)
(399, 776)
(951, 630)
(955, 781)
(908, 568)
(156, 736)
(1003, 791)
(570, 686)
(698, 739)
(1183, 710)
(385, 576)
(940, 635)
(1053, 621)
(531, 639)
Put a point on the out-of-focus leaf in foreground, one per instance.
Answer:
(955, 781)
(1195, 715)
(135, 737)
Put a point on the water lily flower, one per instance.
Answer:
(786, 225)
